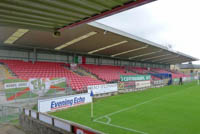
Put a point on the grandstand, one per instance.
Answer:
(104, 73)
(28, 70)
(103, 62)
(114, 54)
(107, 73)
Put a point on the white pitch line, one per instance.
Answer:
(134, 106)
(109, 119)
(125, 109)
(128, 129)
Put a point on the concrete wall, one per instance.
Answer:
(33, 126)
(40, 123)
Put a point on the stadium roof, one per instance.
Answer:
(189, 66)
(94, 39)
(51, 15)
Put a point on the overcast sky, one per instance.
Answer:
(175, 22)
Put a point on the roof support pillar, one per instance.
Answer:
(34, 59)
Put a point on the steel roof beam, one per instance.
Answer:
(133, 50)
(106, 47)
(25, 24)
(17, 25)
(90, 4)
(28, 11)
(70, 6)
(109, 4)
(76, 40)
(31, 17)
(155, 57)
(145, 54)
(176, 61)
(179, 58)
(172, 59)
(119, 2)
(166, 58)
(49, 8)
(110, 12)
(13, 18)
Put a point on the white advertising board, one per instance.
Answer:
(35, 83)
(186, 78)
(53, 104)
(158, 82)
(142, 84)
(15, 85)
(100, 89)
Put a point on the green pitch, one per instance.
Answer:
(167, 110)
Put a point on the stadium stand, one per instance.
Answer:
(139, 70)
(24, 69)
(178, 75)
(143, 71)
(175, 74)
(106, 73)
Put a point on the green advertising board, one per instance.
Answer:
(176, 80)
(126, 78)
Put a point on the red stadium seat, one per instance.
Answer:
(28, 70)
(107, 73)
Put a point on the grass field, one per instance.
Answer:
(167, 110)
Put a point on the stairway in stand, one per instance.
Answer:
(5, 73)
(85, 73)
(82, 72)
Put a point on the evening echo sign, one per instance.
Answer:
(126, 78)
(53, 104)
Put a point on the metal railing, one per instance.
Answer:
(54, 122)
(9, 113)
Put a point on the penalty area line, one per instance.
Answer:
(116, 126)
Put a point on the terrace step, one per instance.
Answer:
(5, 72)
(86, 73)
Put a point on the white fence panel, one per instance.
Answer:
(45, 119)
(34, 114)
(62, 125)
(26, 112)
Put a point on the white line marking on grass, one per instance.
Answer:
(108, 118)
(125, 109)
(134, 106)
(128, 129)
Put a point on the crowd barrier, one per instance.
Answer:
(49, 124)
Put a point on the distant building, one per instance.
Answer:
(187, 68)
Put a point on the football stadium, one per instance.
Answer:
(62, 72)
